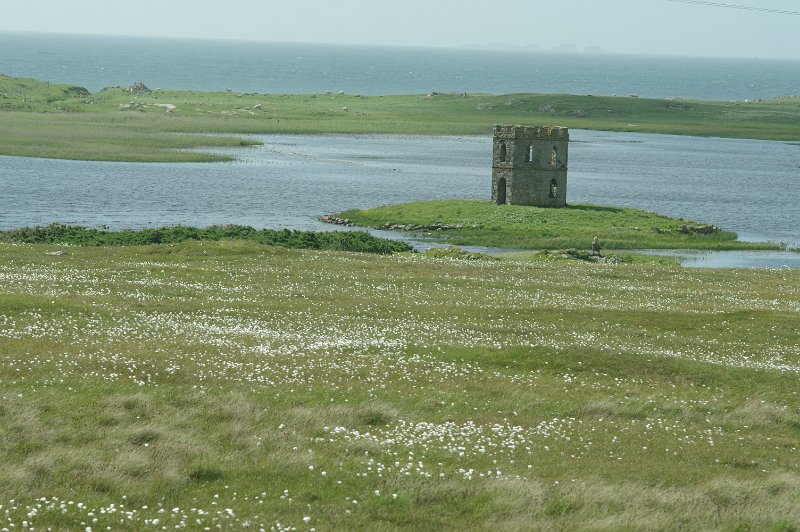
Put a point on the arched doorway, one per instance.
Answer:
(500, 194)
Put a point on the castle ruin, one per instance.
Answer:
(529, 166)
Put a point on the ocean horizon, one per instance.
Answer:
(95, 62)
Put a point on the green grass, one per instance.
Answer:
(38, 119)
(107, 137)
(482, 223)
(235, 384)
(61, 234)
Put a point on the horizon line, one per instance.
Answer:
(531, 48)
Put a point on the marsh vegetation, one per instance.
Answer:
(229, 383)
(68, 235)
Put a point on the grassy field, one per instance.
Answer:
(482, 223)
(232, 384)
(40, 119)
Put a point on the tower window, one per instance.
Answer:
(503, 154)
(554, 156)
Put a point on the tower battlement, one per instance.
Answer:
(529, 165)
(532, 132)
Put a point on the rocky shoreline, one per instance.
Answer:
(335, 220)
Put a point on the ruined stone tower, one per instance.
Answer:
(529, 166)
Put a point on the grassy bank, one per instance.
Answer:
(481, 223)
(47, 120)
(68, 235)
(234, 384)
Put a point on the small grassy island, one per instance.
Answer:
(481, 223)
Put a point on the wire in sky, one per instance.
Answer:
(736, 6)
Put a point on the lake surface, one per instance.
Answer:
(750, 187)
(101, 61)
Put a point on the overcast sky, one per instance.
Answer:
(665, 27)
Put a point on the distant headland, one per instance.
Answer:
(42, 119)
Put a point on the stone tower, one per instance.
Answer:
(529, 166)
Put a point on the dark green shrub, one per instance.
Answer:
(57, 233)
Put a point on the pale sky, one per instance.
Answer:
(665, 27)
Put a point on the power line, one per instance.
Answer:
(736, 6)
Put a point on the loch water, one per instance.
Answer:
(750, 187)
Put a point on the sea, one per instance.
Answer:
(751, 187)
(95, 62)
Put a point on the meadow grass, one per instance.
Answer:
(39, 119)
(231, 384)
(482, 223)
